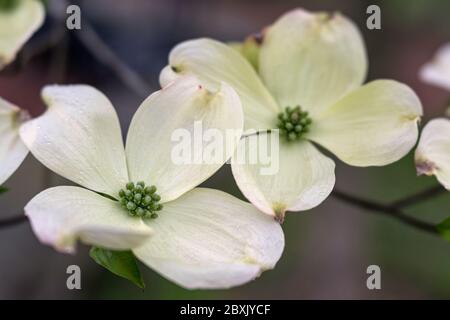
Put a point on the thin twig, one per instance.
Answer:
(13, 221)
(418, 197)
(256, 133)
(100, 50)
(386, 210)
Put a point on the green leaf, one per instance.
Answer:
(3, 190)
(121, 263)
(444, 229)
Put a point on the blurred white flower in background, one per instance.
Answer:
(437, 71)
(12, 149)
(196, 237)
(432, 155)
(19, 19)
(433, 151)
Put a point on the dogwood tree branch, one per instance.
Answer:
(91, 41)
(12, 221)
(418, 197)
(100, 50)
(390, 210)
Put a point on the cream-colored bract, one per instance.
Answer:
(303, 170)
(202, 238)
(316, 61)
(209, 239)
(17, 25)
(12, 149)
(437, 71)
(433, 151)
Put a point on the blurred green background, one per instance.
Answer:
(327, 249)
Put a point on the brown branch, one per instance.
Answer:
(100, 50)
(13, 221)
(418, 197)
(387, 210)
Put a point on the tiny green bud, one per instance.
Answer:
(130, 186)
(156, 197)
(131, 206)
(140, 212)
(147, 200)
(150, 190)
(147, 214)
(141, 183)
(128, 194)
(137, 197)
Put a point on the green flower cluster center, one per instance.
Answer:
(6, 5)
(140, 200)
(293, 123)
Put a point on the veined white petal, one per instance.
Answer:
(437, 71)
(214, 62)
(312, 59)
(16, 27)
(59, 216)
(303, 178)
(373, 126)
(12, 149)
(433, 151)
(209, 239)
(79, 138)
(172, 131)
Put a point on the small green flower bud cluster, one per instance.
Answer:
(140, 200)
(293, 123)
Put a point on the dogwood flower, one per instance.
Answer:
(433, 151)
(437, 71)
(12, 149)
(198, 238)
(19, 19)
(307, 82)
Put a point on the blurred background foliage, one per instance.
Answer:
(327, 249)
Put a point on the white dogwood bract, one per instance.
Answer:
(433, 151)
(315, 61)
(437, 71)
(17, 25)
(12, 149)
(202, 238)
